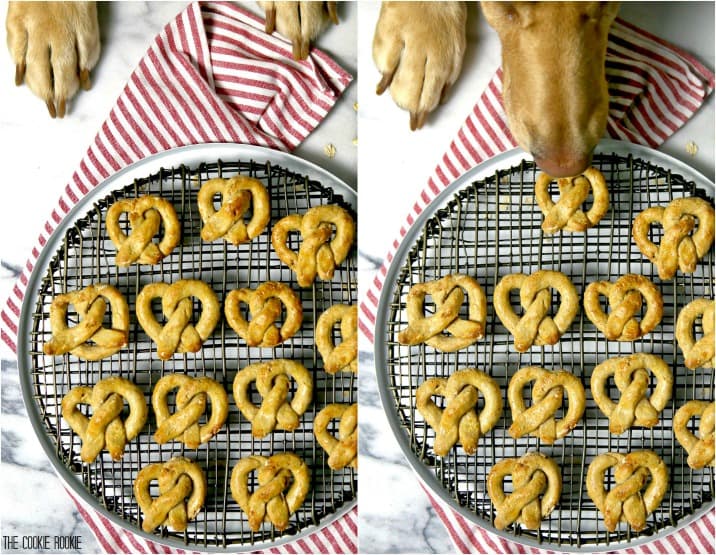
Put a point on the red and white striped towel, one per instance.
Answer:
(655, 88)
(212, 75)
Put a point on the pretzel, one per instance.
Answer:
(145, 216)
(547, 392)
(343, 356)
(566, 214)
(272, 381)
(625, 300)
(178, 335)
(89, 340)
(459, 422)
(536, 487)
(697, 354)
(445, 330)
(268, 502)
(182, 490)
(631, 375)
(191, 397)
(343, 451)
(237, 195)
(265, 304)
(105, 428)
(625, 502)
(536, 326)
(318, 253)
(700, 449)
(684, 241)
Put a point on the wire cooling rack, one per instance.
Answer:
(86, 255)
(488, 229)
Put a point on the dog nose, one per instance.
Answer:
(564, 167)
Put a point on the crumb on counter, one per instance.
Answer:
(355, 141)
(355, 106)
(692, 148)
(330, 150)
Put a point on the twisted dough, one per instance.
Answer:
(697, 354)
(700, 449)
(344, 355)
(343, 451)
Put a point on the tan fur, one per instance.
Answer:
(300, 22)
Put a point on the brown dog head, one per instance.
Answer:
(554, 84)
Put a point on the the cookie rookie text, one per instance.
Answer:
(37, 543)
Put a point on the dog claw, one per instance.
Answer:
(332, 12)
(61, 107)
(417, 120)
(300, 49)
(51, 108)
(270, 20)
(384, 83)
(444, 93)
(85, 82)
(19, 74)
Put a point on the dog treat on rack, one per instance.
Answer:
(567, 214)
(697, 354)
(625, 502)
(89, 340)
(182, 490)
(191, 403)
(146, 215)
(105, 428)
(318, 253)
(342, 451)
(459, 422)
(273, 384)
(179, 334)
(266, 304)
(625, 297)
(548, 391)
(445, 330)
(536, 326)
(344, 355)
(536, 487)
(685, 240)
(700, 449)
(238, 195)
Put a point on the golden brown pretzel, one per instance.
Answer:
(238, 194)
(191, 397)
(459, 422)
(567, 214)
(105, 428)
(182, 490)
(700, 449)
(273, 381)
(265, 304)
(318, 253)
(88, 339)
(547, 392)
(536, 487)
(683, 242)
(268, 502)
(343, 451)
(625, 300)
(625, 502)
(445, 330)
(178, 335)
(697, 354)
(145, 216)
(536, 326)
(344, 355)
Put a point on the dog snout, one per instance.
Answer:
(564, 166)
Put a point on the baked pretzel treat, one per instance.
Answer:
(445, 330)
(146, 214)
(105, 428)
(536, 487)
(283, 482)
(626, 502)
(458, 421)
(89, 340)
(182, 490)
(318, 253)
(567, 214)
(191, 397)
(273, 384)
(697, 354)
(266, 305)
(342, 451)
(701, 448)
(548, 391)
(179, 334)
(536, 326)
(625, 297)
(632, 376)
(684, 241)
(238, 195)
(344, 355)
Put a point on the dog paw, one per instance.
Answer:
(300, 22)
(418, 47)
(54, 46)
